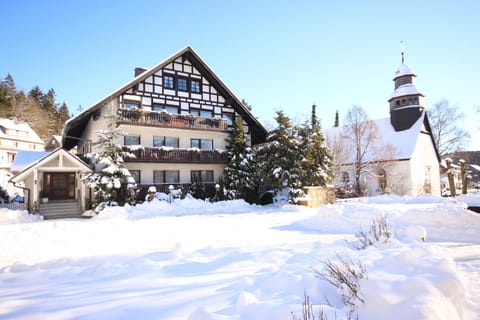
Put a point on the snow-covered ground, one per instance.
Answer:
(230, 260)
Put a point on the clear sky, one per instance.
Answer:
(274, 54)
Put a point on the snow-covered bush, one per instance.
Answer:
(345, 275)
(379, 232)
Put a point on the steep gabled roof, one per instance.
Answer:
(75, 125)
(403, 143)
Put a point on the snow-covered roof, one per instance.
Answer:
(390, 145)
(18, 130)
(25, 158)
(405, 90)
(404, 70)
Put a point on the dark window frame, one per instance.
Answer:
(132, 135)
(171, 83)
(180, 86)
(139, 175)
(200, 143)
(192, 87)
(128, 104)
(163, 174)
(203, 175)
(163, 140)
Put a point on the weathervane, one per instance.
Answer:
(403, 51)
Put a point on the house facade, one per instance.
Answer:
(176, 116)
(56, 175)
(14, 137)
(403, 158)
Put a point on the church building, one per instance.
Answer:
(403, 158)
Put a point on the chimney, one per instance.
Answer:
(139, 71)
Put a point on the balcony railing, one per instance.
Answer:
(152, 154)
(170, 120)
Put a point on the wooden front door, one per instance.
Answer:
(60, 185)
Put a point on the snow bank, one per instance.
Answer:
(17, 216)
(230, 260)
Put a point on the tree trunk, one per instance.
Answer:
(463, 175)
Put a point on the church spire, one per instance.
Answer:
(403, 51)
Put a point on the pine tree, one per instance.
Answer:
(278, 157)
(62, 113)
(316, 165)
(110, 178)
(239, 171)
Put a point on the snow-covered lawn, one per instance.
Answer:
(230, 260)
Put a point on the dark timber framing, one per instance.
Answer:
(213, 96)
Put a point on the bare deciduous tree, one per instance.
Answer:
(445, 121)
(363, 133)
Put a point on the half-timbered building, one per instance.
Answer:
(177, 117)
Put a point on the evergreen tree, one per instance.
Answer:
(36, 94)
(239, 171)
(62, 113)
(197, 188)
(278, 157)
(48, 101)
(110, 178)
(316, 165)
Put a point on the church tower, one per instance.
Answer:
(406, 101)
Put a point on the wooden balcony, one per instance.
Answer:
(169, 120)
(151, 154)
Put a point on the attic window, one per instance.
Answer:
(182, 84)
(195, 86)
(168, 82)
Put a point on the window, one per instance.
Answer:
(132, 140)
(182, 84)
(166, 176)
(169, 109)
(229, 117)
(195, 86)
(166, 142)
(345, 178)
(205, 175)
(201, 113)
(135, 175)
(382, 180)
(204, 144)
(131, 105)
(168, 81)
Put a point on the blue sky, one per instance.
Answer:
(275, 54)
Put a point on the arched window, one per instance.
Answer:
(382, 180)
(345, 177)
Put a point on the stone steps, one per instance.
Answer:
(60, 209)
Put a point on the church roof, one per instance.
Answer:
(405, 90)
(404, 70)
(390, 145)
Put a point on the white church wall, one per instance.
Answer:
(425, 168)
